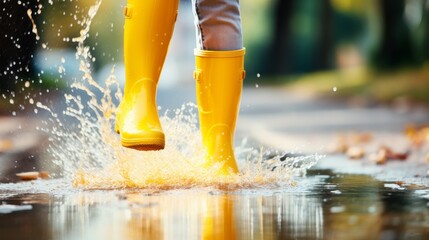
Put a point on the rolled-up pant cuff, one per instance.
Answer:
(218, 24)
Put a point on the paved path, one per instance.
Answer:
(292, 122)
(21, 146)
(286, 121)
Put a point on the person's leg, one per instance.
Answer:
(218, 24)
(219, 74)
(148, 29)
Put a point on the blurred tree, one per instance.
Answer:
(326, 40)
(396, 47)
(425, 26)
(302, 36)
(281, 46)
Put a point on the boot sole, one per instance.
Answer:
(142, 144)
(152, 144)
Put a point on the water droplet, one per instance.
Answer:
(27, 84)
(11, 101)
(334, 89)
(258, 75)
(257, 85)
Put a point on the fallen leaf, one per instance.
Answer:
(5, 145)
(392, 155)
(379, 157)
(355, 152)
(417, 134)
(44, 175)
(400, 183)
(28, 176)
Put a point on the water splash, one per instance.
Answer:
(34, 29)
(85, 146)
(93, 156)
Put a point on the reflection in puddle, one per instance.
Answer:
(179, 214)
(365, 208)
(332, 207)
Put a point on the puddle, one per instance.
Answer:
(323, 205)
(265, 205)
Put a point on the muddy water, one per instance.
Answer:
(321, 206)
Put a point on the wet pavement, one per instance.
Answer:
(21, 147)
(339, 199)
(323, 205)
(295, 121)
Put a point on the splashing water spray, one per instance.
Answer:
(91, 156)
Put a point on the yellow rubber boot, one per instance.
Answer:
(148, 29)
(219, 76)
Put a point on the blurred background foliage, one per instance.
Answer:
(375, 49)
(378, 49)
(302, 36)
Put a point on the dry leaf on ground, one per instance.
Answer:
(380, 157)
(417, 135)
(5, 145)
(355, 152)
(28, 176)
(385, 154)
